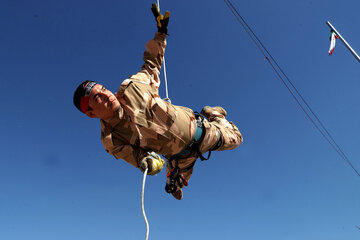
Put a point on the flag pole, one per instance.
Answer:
(343, 40)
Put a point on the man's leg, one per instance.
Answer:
(187, 166)
(217, 127)
(230, 135)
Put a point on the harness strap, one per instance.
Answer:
(175, 175)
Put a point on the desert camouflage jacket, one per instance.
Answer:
(145, 122)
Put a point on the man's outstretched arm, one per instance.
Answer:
(154, 52)
(140, 158)
(155, 48)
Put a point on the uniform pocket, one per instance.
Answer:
(163, 113)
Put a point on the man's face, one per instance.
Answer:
(103, 103)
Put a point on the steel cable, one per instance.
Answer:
(322, 129)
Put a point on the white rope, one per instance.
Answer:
(166, 85)
(165, 77)
(142, 205)
(145, 172)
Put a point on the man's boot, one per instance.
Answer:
(216, 114)
(178, 194)
(230, 134)
(211, 112)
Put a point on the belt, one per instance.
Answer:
(199, 130)
(199, 134)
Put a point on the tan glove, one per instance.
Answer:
(153, 162)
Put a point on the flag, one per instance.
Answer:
(333, 38)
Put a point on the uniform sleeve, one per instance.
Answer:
(153, 58)
(154, 53)
(130, 154)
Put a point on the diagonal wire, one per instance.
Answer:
(322, 129)
(287, 78)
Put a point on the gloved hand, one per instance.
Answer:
(162, 21)
(153, 162)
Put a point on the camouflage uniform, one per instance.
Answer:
(145, 122)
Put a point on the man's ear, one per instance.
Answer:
(90, 114)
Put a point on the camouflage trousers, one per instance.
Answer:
(231, 139)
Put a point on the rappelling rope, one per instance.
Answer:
(142, 205)
(166, 86)
(164, 67)
(145, 172)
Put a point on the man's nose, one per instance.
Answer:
(105, 96)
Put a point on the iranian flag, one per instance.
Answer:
(333, 38)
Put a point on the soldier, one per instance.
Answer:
(137, 125)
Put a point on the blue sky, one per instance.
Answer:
(284, 182)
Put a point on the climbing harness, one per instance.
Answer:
(195, 143)
(194, 146)
(175, 177)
